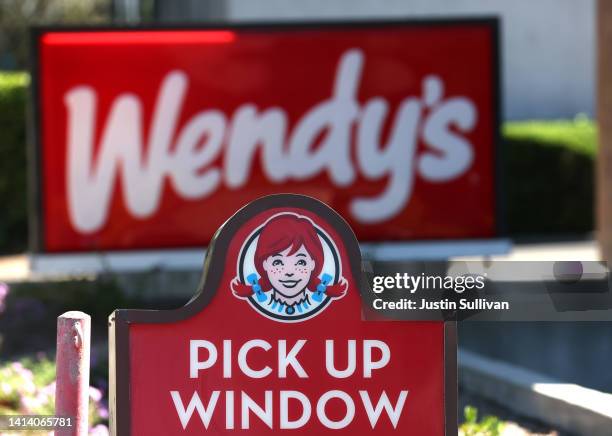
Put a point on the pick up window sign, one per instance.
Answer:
(140, 130)
(275, 341)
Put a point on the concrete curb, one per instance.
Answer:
(565, 406)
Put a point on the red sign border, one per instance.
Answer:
(214, 266)
(36, 176)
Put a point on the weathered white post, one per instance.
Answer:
(72, 380)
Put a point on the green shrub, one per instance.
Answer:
(487, 426)
(548, 172)
(13, 168)
(27, 387)
(549, 176)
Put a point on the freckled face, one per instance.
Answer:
(289, 274)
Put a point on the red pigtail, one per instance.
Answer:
(337, 290)
(240, 289)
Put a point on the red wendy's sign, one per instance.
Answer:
(274, 341)
(139, 131)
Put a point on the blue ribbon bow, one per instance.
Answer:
(322, 287)
(252, 280)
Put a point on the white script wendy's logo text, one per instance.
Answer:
(213, 148)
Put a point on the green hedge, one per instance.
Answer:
(549, 176)
(13, 168)
(548, 172)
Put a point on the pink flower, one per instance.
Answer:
(30, 404)
(49, 389)
(95, 394)
(27, 387)
(99, 430)
(4, 290)
(42, 397)
(6, 388)
(22, 371)
(103, 412)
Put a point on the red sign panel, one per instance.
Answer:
(275, 341)
(140, 131)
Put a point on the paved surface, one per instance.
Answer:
(575, 250)
(17, 268)
(14, 268)
(569, 407)
(516, 425)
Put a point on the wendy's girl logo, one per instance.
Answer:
(289, 269)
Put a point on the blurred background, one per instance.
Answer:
(549, 147)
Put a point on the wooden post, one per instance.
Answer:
(72, 382)
(604, 121)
